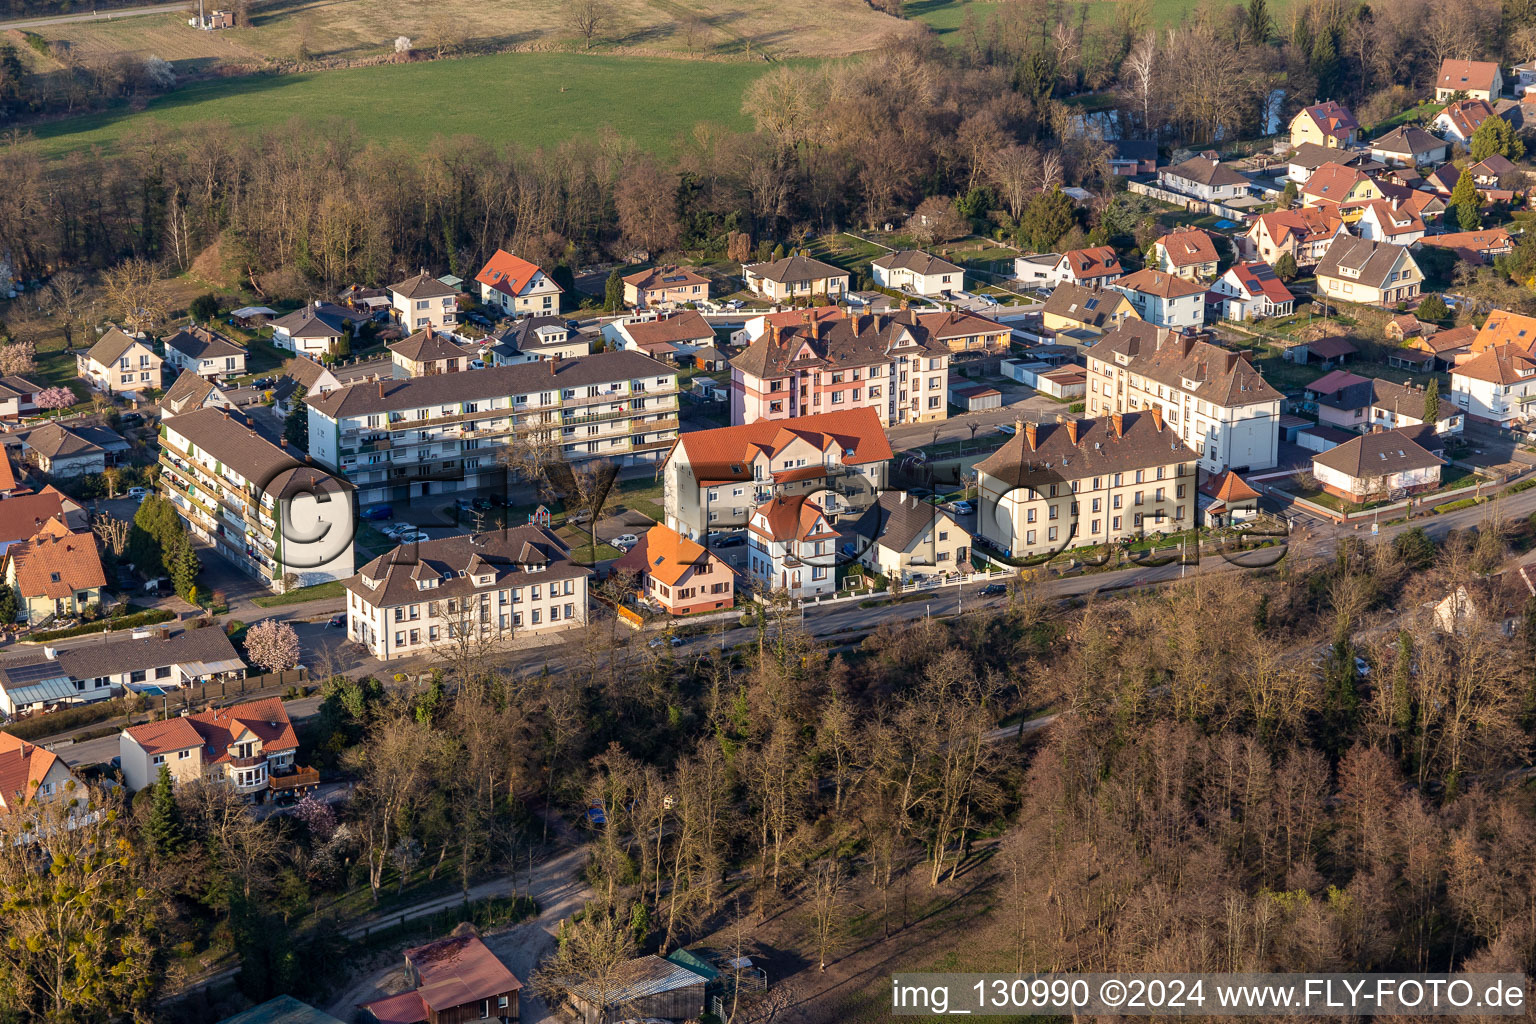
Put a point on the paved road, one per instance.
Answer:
(113, 15)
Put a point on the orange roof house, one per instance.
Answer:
(1187, 252)
(28, 773)
(457, 979)
(1505, 328)
(56, 572)
(241, 745)
(1344, 189)
(1229, 495)
(1479, 79)
(516, 285)
(679, 575)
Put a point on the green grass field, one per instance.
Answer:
(534, 99)
(946, 16)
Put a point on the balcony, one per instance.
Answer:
(296, 781)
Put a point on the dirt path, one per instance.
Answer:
(559, 890)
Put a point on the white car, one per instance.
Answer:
(412, 537)
(625, 540)
(137, 493)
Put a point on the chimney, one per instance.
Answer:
(552, 361)
(1231, 361)
(1157, 418)
(282, 442)
(773, 333)
(381, 389)
(1030, 431)
(1072, 431)
(1186, 344)
(1119, 424)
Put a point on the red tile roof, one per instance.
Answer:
(1333, 182)
(1334, 119)
(1228, 486)
(25, 514)
(792, 518)
(23, 767)
(1099, 261)
(1258, 279)
(1188, 247)
(217, 728)
(458, 971)
(55, 563)
(1467, 75)
(507, 273)
(1159, 283)
(664, 555)
(855, 433)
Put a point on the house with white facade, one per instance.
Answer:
(205, 353)
(1251, 290)
(917, 272)
(424, 302)
(1379, 465)
(243, 747)
(1496, 386)
(1205, 179)
(1382, 222)
(792, 548)
(514, 286)
(314, 330)
(120, 365)
(1164, 299)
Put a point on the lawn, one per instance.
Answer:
(533, 99)
(946, 17)
(300, 595)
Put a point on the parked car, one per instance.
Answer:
(964, 508)
(478, 320)
(726, 540)
(378, 512)
(625, 540)
(994, 590)
(662, 641)
(137, 493)
(336, 620)
(130, 419)
(578, 517)
(412, 537)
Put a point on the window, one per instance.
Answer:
(485, 1009)
(182, 755)
(137, 676)
(163, 672)
(157, 759)
(1029, 537)
(1050, 534)
(1115, 523)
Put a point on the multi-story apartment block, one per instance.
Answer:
(891, 364)
(402, 439)
(1085, 482)
(1211, 397)
(245, 746)
(261, 507)
(483, 588)
(713, 479)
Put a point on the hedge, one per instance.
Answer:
(39, 726)
(148, 618)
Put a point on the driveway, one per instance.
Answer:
(113, 15)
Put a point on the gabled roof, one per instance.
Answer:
(1502, 364)
(791, 518)
(1505, 328)
(1333, 118)
(216, 728)
(1159, 283)
(897, 520)
(726, 453)
(668, 276)
(685, 326)
(1310, 156)
(1472, 243)
(422, 286)
(111, 347)
(958, 323)
(1495, 166)
(53, 441)
(1376, 454)
(917, 261)
(197, 342)
(1394, 222)
(1407, 140)
(1401, 399)
(1334, 182)
(1098, 261)
(189, 392)
(1258, 278)
(795, 268)
(1306, 224)
(1372, 263)
(457, 971)
(1228, 487)
(23, 767)
(316, 320)
(1467, 75)
(427, 346)
(282, 1009)
(665, 555)
(1090, 306)
(53, 566)
(1051, 452)
(856, 339)
(1205, 172)
(503, 554)
(1199, 368)
(508, 273)
(25, 514)
(1188, 247)
(1453, 339)
(1466, 115)
(1335, 381)
(1331, 348)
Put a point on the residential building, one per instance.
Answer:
(1341, 190)
(516, 287)
(1394, 406)
(315, 330)
(1505, 328)
(1227, 498)
(191, 392)
(1085, 482)
(1308, 157)
(1304, 233)
(1473, 79)
(532, 338)
(1491, 172)
(1086, 313)
(55, 573)
(282, 1009)
(1523, 76)
(1132, 156)
(1188, 252)
(1092, 268)
(1496, 386)
(795, 277)
(120, 365)
(1213, 397)
(1379, 465)
(904, 538)
(976, 343)
(1444, 347)
(1164, 299)
(401, 439)
(1476, 247)
(1459, 120)
(426, 353)
(712, 479)
(1409, 146)
(18, 396)
(888, 363)
(261, 506)
(1381, 222)
(1427, 205)
(665, 287)
(1372, 273)
(792, 548)
(22, 515)
(61, 452)
(1341, 399)
(302, 376)
(483, 588)
(149, 659)
(454, 979)
(678, 575)
(671, 338)
(204, 352)
(36, 682)
(1327, 124)
(1251, 290)
(243, 747)
(1204, 179)
(917, 272)
(29, 772)
(424, 302)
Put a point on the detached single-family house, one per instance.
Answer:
(245, 747)
(457, 979)
(1505, 328)
(205, 353)
(29, 772)
(426, 352)
(1381, 222)
(791, 547)
(18, 396)
(1376, 466)
(1496, 386)
(669, 338)
(1131, 157)
(424, 302)
(1093, 267)
(1304, 233)
(55, 573)
(1227, 498)
(1444, 347)
(538, 337)
(1328, 124)
(1204, 179)
(795, 277)
(1091, 311)
(62, 452)
(1164, 299)
(190, 393)
(515, 286)
(1344, 190)
(1488, 173)
(1474, 79)
(1188, 252)
(903, 537)
(1250, 290)
(678, 575)
(314, 330)
(1473, 246)
(918, 272)
(665, 287)
(1373, 273)
(1403, 405)
(1409, 146)
(120, 365)
(1459, 120)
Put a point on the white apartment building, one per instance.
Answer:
(484, 588)
(1212, 397)
(791, 548)
(401, 439)
(1497, 386)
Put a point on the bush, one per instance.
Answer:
(148, 618)
(39, 726)
(1076, 407)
